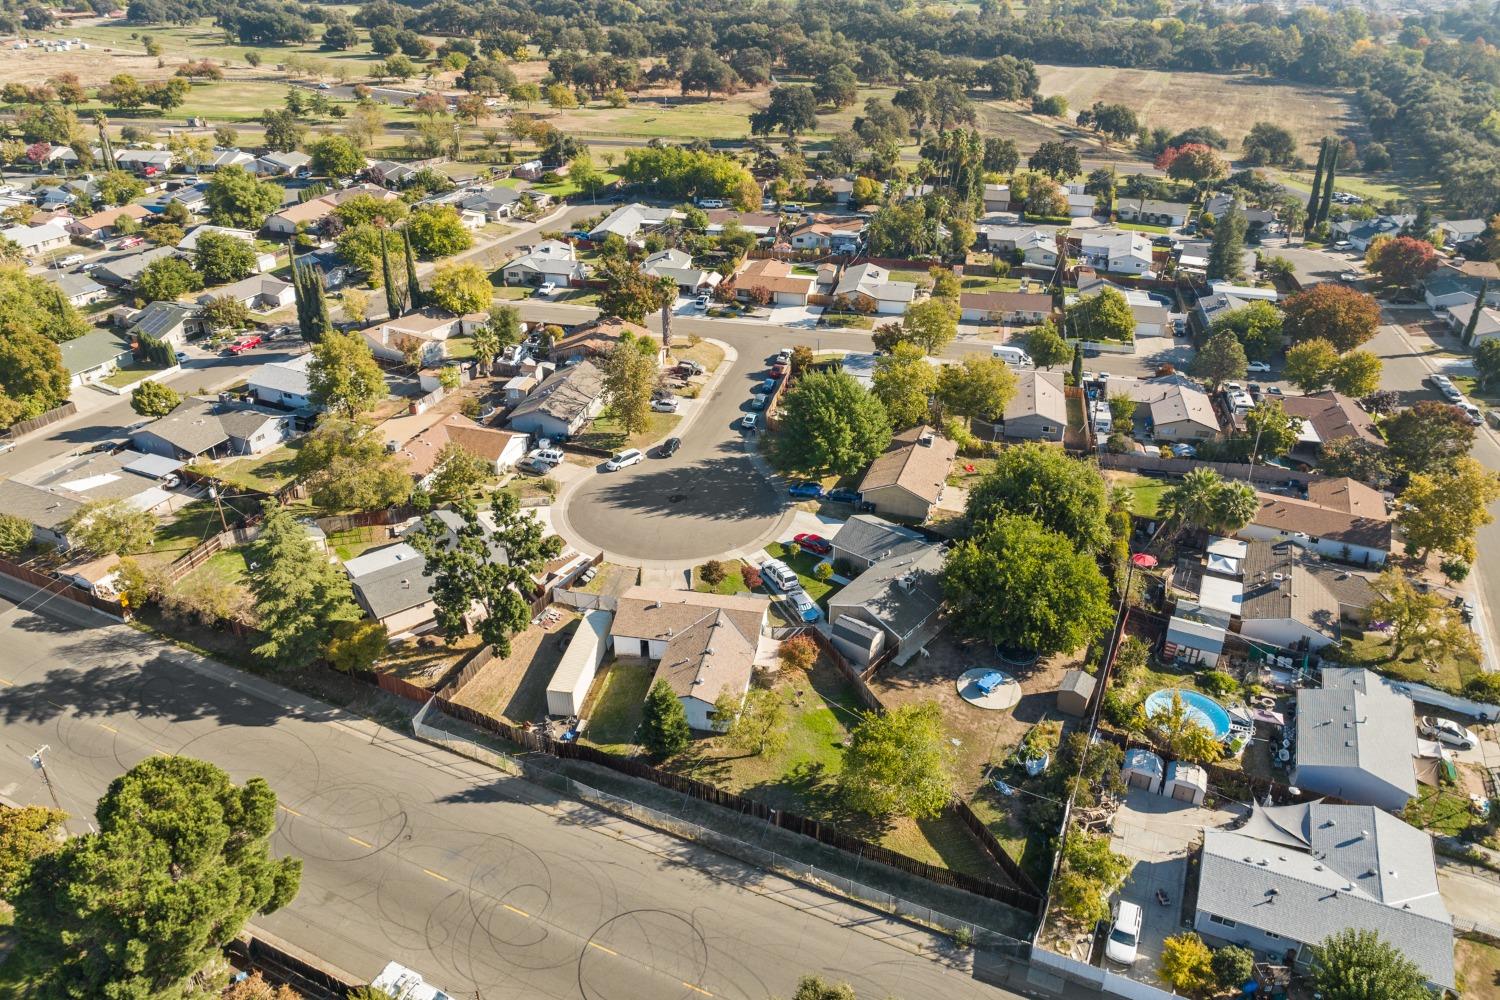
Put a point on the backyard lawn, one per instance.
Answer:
(1441, 810)
(606, 434)
(1445, 672)
(615, 704)
(980, 283)
(352, 542)
(1145, 493)
(267, 474)
(515, 687)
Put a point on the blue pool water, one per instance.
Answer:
(1200, 708)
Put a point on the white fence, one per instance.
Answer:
(1100, 979)
(1452, 702)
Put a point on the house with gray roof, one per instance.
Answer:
(870, 285)
(678, 266)
(494, 203)
(1356, 740)
(392, 586)
(290, 163)
(47, 510)
(1151, 212)
(78, 288)
(1039, 410)
(121, 272)
(865, 540)
(208, 427)
(901, 595)
(282, 383)
(1459, 231)
(146, 162)
(1292, 875)
(171, 322)
(561, 406)
(94, 356)
(258, 293)
(628, 221)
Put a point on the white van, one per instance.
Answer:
(1125, 935)
(1011, 355)
(779, 575)
(710, 203)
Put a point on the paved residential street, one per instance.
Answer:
(477, 880)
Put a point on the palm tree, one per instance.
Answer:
(1191, 501)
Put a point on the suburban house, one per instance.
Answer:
(1116, 251)
(1360, 233)
(629, 221)
(390, 173)
(1081, 204)
(996, 197)
(1328, 531)
(1488, 325)
(1150, 212)
(1328, 416)
(776, 277)
(222, 158)
(78, 288)
(170, 322)
(430, 327)
(900, 595)
(1348, 495)
(1284, 603)
(1037, 245)
(864, 540)
(495, 202)
(755, 223)
(391, 586)
(313, 211)
(869, 287)
(677, 265)
(1291, 875)
(549, 261)
(1174, 408)
(500, 449)
(595, 340)
(38, 241)
(907, 480)
(1211, 307)
(1010, 308)
(94, 356)
(46, 510)
(208, 427)
(289, 164)
(835, 234)
(282, 383)
(1449, 286)
(1038, 411)
(1456, 232)
(146, 162)
(563, 404)
(103, 225)
(1356, 740)
(121, 272)
(258, 293)
(705, 644)
(264, 260)
(1150, 315)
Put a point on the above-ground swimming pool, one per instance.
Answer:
(1200, 708)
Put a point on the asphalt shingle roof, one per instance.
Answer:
(1357, 721)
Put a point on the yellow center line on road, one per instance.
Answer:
(9, 684)
(109, 728)
(515, 910)
(288, 809)
(696, 989)
(362, 843)
(607, 951)
(440, 878)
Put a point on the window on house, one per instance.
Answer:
(1214, 918)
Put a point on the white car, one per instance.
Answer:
(1125, 936)
(1452, 393)
(624, 459)
(1439, 381)
(546, 456)
(664, 405)
(779, 575)
(748, 421)
(547, 289)
(1447, 731)
(1349, 277)
(1475, 414)
(1258, 366)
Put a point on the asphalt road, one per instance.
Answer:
(477, 880)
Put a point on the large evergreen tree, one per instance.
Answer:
(179, 862)
(393, 304)
(299, 595)
(1228, 247)
(1328, 174)
(1312, 198)
(1473, 323)
(414, 296)
(664, 726)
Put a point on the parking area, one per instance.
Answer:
(1158, 834)
(1313, 265)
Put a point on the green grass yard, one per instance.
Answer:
(615, 704)
(1440, 669)
(130, 375)
(1145, 493)
(803, 563)
(853, 321)
(984, 283)
(606, 434)
(1441, 810)
(268, 473)
(1141, 227)
(733, 582)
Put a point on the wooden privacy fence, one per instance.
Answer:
(60, 588)
(52, 416)
(1022, 895)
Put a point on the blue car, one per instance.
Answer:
(844, 496)
(806, 491)
(769, 385)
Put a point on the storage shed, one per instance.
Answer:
(1074, 693)
(1143, 769)
(1185, 782)
(570, 682)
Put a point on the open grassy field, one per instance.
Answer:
(1230, 103)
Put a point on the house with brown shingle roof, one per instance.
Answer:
(501, 449)
(776, 277)
(908, 480)
(1328, 531)
(704, 643)
(1348, 495)
(596, 339)
(1004, 307)
(315, 210)
(101, 225)
(1332, 416)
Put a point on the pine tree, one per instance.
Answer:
(1078, 364)
(106, 149)
(317, 305)
(393, 305)
(299, 595)
(1328, 175)
(1312, 199)
(1228, 246)
(664, 725)
(1473, 323)
(299, 296)
(414, 294)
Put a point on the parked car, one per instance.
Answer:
(669, 447)
(710, 203)
(701, 301)
(689, 368)
(779, 575)
(547, 456)
(1438, 380)
(765, 385)
(748, 421)
(1125, 936)
(1474, 413)
(667, 405)
(546, 289)
(1451, 393)
(180, 356)
(813, 543)
(784, 356)
(806, 490)
(757, 402)
(129, 243)
(1258, 366)
(1448, 732)
(778, 370)
(245, 344)
(1184, 451)
(623, 459)
(843, 495)
(1348, 277)
(802, 604)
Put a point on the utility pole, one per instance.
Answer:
(40, 765)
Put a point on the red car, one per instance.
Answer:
(814, 543)
(241, 346)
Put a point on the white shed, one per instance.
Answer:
(570, 682)
(1143, 769)
(1185, 782)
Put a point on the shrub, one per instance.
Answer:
(1233, 966)
(1485, 688)
(1455, 569)
(750, 575)
(823, 570)
(799, 652)
(1218, 683)
(1187, 964)
(469, 407)
(713, 572)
